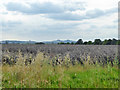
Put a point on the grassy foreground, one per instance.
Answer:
(40, 74)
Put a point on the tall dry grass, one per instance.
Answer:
(41, 73)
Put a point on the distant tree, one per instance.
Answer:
(113, 42)
(39, 43)
(61, 43)
(118, 42)
(79, 41)
(6, 42)
(67, 43)
(72, 43)
(109, 42)
(89, 42)
(97, 42)
(85, 43)
(105, 42)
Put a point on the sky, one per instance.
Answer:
(47, 20)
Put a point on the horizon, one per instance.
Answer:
(43, 20)
(62, 40)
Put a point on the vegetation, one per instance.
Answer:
(59, 66)
(39, 43)
(79, 41)
(96, 42)
(43, 74)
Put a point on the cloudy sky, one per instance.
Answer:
(44, 20)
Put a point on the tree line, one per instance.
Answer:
(80, 42)
(95, 42)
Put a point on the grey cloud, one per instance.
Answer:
(91, 14)
(110, 27)
(58, 12)
(3, 13)
(41, 8)
(6, 24)
(35, 8)
(73, 6)
(61, 26)
(116, 21)
(113, 10)
(65, 16)
(47, 7)
(94, 13)
(16, 7)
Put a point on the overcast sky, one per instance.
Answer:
(44, 20)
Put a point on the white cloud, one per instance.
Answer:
(43, 8)
(59, 19)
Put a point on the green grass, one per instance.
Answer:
(47, 76)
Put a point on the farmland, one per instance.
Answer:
(59, 66)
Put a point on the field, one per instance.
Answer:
(59, 66)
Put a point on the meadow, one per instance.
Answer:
(60, 66)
